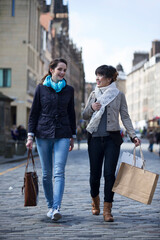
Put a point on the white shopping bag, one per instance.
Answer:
(131, 159)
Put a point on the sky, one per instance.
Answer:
(110, 31)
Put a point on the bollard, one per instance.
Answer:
(12, 142)
(2, 148)
(8, 153)
(21, 148)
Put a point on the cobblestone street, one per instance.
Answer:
(133, 220)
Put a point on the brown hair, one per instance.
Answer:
(108, 72)
(53, 64)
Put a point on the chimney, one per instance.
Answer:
(155, 48)
(139, 57)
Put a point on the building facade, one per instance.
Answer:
(32, 34)
(121, 79)
(63, 46)
(20, 64)
(143, 88)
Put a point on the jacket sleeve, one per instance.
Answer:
(34, 112)
(71, 113)
(88, 111)
(126, 118)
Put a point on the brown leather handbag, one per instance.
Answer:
(30, 186)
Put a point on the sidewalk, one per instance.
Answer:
(133, 220)
(16, 158)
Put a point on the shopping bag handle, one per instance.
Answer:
(33, 163)
(142, 157)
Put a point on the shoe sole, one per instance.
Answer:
(57, 216)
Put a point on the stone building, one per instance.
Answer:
(121, 79)
(56, 22)
(143, 87)
(28, 44)
(20, 63)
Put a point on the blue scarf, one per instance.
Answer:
(56, 86)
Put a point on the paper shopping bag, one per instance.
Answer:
(135, 183)
(131, 159)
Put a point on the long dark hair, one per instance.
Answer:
(53, 64)
(108, 72)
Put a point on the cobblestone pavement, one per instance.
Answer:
(133, 220)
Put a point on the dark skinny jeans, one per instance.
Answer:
(99, 149)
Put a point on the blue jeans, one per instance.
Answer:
(103, 149)
(60, 147)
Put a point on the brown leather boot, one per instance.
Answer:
(95, 205)
(107, 212)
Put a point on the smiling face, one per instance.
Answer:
(58, 72)
(102, 81)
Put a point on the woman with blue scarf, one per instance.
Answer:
(52, 122)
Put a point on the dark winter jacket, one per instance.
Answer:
(52, 114)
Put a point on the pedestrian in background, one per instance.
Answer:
(104, 138)
(151, 139)
(158, 140)
(52, 122)
(14, 133)
(79, 136)
(22, 133)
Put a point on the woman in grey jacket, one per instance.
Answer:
(103, 107)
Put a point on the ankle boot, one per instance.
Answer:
(107, 212)
(95, 205)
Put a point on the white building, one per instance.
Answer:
(143, 88)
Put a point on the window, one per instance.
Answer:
(13, 115)
(5, 77)
(44, 39)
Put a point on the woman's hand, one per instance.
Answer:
(71, 144)
(96, 106)
(137, 141)
(29, 143)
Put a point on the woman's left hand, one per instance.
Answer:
(71, 144)
(137, 141)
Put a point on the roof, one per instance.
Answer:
(5, 98)
(45, 19)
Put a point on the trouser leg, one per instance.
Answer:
(45, 148)
(111, 153)
(96, 153)
(61, 148)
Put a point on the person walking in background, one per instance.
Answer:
(158, 140)
(79, 136)
(52, 121)
(102, 109)
(22, 133)
(14, 133)
(151, 139)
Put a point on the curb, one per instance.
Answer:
(15, 158)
